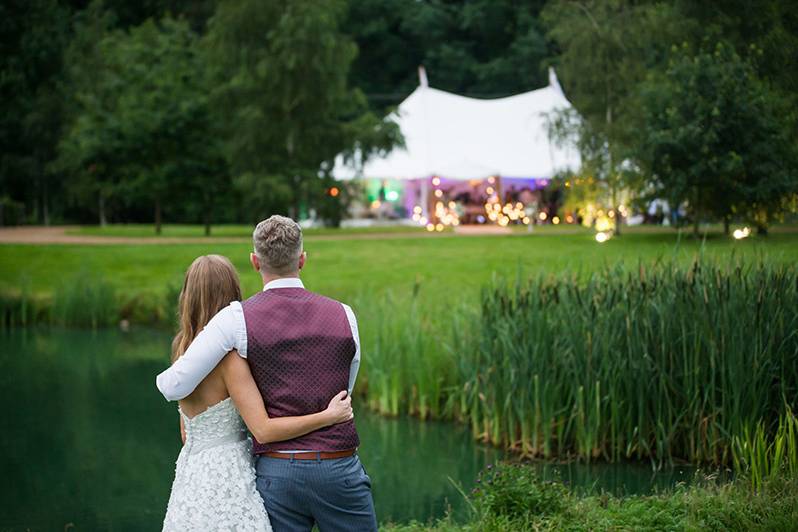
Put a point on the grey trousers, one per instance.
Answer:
(335, 494)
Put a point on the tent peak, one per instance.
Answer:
(422, 76)
(554, 83)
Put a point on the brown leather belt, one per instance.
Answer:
(310, 455)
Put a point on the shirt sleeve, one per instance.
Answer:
(226, 331)
(355, 365)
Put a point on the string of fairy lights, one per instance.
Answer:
(449, 214)
(444, 214)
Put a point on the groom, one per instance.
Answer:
(302, 348)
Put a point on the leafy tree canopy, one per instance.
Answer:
(283, 99)
(143, 127)
(714, 136)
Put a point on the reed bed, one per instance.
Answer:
(85, 300)
(20, 308)
(407, 367)
(664, 363)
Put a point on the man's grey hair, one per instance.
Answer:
(278, 244)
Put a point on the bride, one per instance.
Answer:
(214, 486)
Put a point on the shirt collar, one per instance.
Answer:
(284, 282)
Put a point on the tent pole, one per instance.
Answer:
(425, 197)
(499, 189)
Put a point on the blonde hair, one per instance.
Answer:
(211, 284)
(278, 244)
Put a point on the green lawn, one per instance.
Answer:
(448, 267)
(225, 230)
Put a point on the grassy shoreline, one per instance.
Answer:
(707, 506)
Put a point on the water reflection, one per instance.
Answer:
(88, 440)
(415, 467)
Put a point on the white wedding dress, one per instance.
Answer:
(214, 487)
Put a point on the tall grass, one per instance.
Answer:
(760, 456)
(663, 363)
(19, 308)
(406, 363)
(85, 300)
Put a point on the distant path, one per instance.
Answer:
(58, 235)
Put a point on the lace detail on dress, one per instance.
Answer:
(214, 487)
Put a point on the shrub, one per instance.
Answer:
(515, 491)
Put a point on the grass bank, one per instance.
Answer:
(512, 498)
(447, 270)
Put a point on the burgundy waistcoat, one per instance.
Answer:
(300, 348)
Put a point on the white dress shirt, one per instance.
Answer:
(227, 331)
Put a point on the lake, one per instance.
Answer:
(89, 441)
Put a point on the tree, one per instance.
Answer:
(483, 48)
(768, 26)
(282, 98)
(591, 190)
(85, 156)
(143, 129)
(605, 50)
(128, 14)
(718, 138)
(32, 36)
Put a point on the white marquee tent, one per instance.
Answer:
(457, 137)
